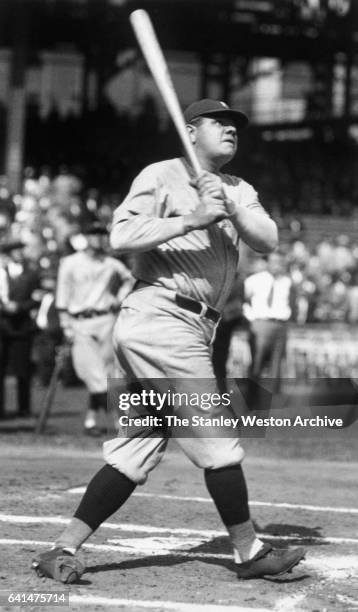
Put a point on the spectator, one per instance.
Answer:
(267, 308)
(352, 299)
(17, 327)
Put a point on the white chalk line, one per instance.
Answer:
(135, 528)
(86, 600)
(207, 500)
(333, 567)
(287, 604)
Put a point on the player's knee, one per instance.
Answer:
(133, 459)
(136, 474)
(220, 458)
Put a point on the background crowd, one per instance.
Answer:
(54, 206)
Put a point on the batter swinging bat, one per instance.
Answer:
(153, 54)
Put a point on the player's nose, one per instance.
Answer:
(230, 130)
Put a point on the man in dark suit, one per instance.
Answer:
(16, 325)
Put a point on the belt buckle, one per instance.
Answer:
(204, 310)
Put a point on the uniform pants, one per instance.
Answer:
(157, 341)
(92, 351)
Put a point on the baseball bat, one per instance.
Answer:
(50, 392)
(148, 42)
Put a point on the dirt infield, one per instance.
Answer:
(166, 549)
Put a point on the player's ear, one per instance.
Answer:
(192, 132)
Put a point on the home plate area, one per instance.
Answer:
(166, 549)
(188, 570)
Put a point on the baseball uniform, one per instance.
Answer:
(155, 337)
(165, 330)
(88, 295)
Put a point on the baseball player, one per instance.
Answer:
(183, 232)
(90, 288)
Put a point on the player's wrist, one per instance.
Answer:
(230, 206)
(191, 222)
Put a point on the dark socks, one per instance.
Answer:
(98, 401)
(227, 487)
(105, 494)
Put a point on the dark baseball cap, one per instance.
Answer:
(12, 245)
(207, 108)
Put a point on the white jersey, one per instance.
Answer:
(89, 283)
(200, 264)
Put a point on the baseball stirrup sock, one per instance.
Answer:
(98, 401)
(227, 487)
(105, 494)
(244, 540)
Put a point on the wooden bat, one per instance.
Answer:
(51, 390)
(148, 42)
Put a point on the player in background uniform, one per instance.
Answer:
(90, 288)
(183, 232)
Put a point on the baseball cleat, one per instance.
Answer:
(270, 562)
(58, 564)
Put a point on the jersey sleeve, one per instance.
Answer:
(143, 220)
(250, 198)
(146, 197)
(243, 194)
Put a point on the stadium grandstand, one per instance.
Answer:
(80, 116)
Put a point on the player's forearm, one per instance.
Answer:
(258, 231)
(141, 233)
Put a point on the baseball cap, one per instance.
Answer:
(207, 107)
(12, 245)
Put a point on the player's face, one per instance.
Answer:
(216, 138)
(97, 242)
(276, 264)
(17, 255)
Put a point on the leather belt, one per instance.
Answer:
(91, 312)
(199, 308)
(272, 319)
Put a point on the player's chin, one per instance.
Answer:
(229, 147)
(227, 153)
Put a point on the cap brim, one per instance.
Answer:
(11, 246)
(94, 231)
(240, 119)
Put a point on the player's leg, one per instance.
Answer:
(254, 559)
(105, 494)
(220, 453)
(90, 368)
(128, 462)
